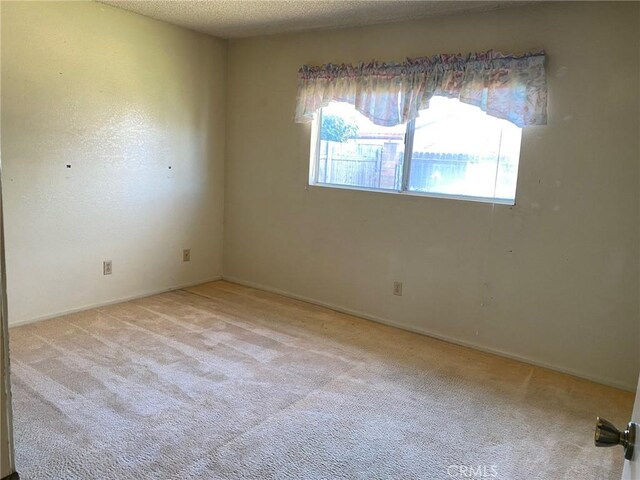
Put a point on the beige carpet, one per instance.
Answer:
(223, 381)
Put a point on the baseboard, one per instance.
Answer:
(349, 311)
(445, 338)
(13, 476)
(113, 302)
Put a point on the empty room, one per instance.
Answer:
(320, 240)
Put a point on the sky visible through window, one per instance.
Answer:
(457, 150)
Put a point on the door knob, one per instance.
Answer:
(607, 435)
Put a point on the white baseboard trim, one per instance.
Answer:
(445, 338)
(112, 302)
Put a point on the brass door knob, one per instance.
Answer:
(607, 435)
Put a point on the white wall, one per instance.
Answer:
(553, 280)
(6, 429)
(120, 98)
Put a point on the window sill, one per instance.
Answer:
(464, 198)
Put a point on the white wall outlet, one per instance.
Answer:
(397, 288)
(106, 267)
(186, 255)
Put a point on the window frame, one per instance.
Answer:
(312, 179)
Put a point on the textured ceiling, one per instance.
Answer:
(246, 18)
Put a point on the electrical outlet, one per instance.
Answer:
(186, 255)
(106, 267)
(397, 288)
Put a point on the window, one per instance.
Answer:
(451, 150)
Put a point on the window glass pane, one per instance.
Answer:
(459, 150)
(352, 151)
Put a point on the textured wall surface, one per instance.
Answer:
(553, 280)
(112, 149)
(5, 434)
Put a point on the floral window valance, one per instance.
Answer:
(510, 87)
